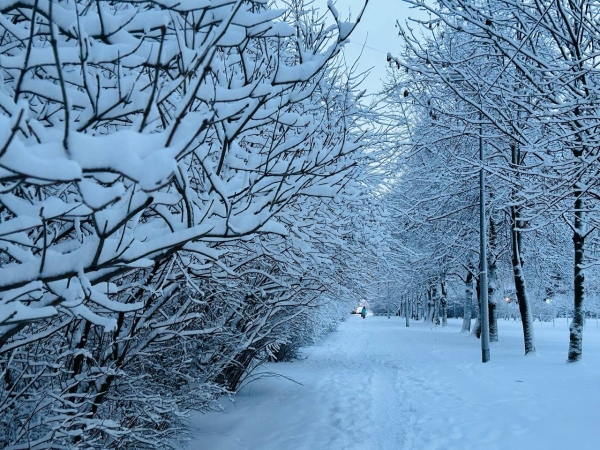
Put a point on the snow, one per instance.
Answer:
(16, 312)
(375, 384)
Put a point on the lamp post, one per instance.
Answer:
(455, 77)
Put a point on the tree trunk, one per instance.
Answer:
(427, 307)
(492, 300)
(517, 263)
(407, 311)
(466, 326)
(493, 318)
(431, 303)
(444, 304)
(576, 328)
(477, 325)
(520, 286)
(493, 276)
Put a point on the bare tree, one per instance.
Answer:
(147, 146)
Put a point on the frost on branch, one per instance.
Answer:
(153, 134)
(142, 146)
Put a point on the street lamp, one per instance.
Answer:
(483, 268)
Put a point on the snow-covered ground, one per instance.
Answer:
(375, 384)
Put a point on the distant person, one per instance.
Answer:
(363, 312)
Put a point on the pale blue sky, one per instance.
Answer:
(377, 31)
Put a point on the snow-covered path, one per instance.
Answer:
(375, 384)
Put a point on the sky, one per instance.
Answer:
(376, 31)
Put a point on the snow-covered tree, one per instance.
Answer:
(158, 157)
(544, 98)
